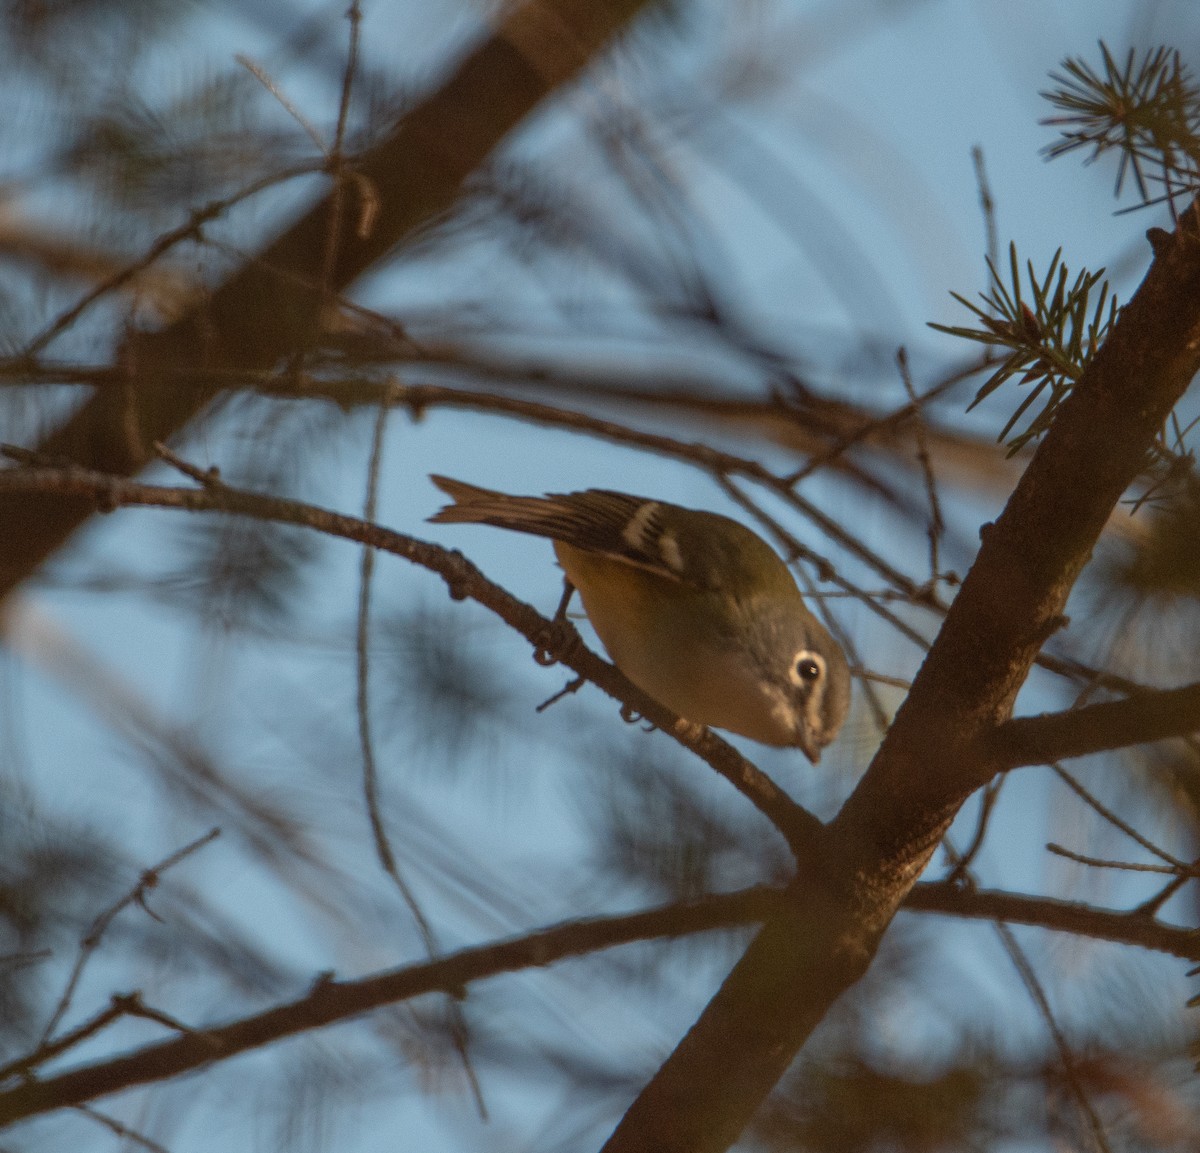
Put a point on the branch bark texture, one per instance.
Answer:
(1147, 716)
(936, 753)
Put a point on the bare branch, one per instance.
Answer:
(123, 1131)
(1066, 1055)
(1128, 928)
(91, 939)
(1148, 716)
(1096, 805)
(936, 526)
(271, 306)
(1104, 863)
(331, 1001)
(558, 638)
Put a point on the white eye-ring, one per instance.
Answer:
(807, 668)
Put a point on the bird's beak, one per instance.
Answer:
(807, 745)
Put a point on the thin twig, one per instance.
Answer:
(205, 476)
(134, 1006)
(14, 961)
(337, 168)
(383, 848)
(1102, 863)
(337, 159)
(572, 686)
(987, 805)
(91, 939)
(886, 422)
(964, 876)
(1151, 906)
(121, 1130)
(987, 205)
(120, 1006)
(267, 81)
(1065, 1055)
(192, 229)
(866, 674)
(1114, 820)
(354, 19)
(936, 525)
(47, 1050)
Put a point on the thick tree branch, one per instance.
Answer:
(556, 638)
(1148, 716)
(271, 308)
(934, 755)
(332, 1001)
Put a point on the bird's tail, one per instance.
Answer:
(475, 505)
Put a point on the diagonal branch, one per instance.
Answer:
(556, 638)
(271, 308)
(1136, 720)
(936, 753)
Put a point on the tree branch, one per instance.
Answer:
(271, 307)
(557, 638)
(331, 1001)
(1148, 716)
(935, 754)
(1125, 928)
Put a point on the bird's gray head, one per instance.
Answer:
(805, 676)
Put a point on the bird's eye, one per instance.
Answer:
(807, 669)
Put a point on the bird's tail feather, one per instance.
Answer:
(475, 505)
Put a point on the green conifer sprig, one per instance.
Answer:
(1044, 339)
(1148, 110)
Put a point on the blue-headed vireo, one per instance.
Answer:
(694, 608)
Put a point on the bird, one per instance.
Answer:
(693, 607)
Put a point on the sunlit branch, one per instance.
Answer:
(1011, 602)
(1151, 715)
